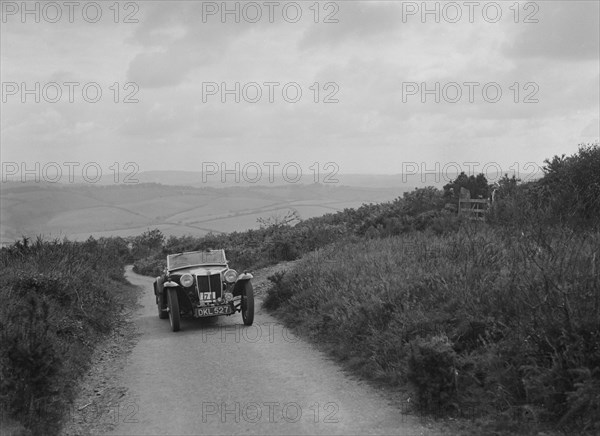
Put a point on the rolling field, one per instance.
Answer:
(80, 211)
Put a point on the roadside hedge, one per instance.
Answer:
(59, 298)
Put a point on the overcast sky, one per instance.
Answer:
(370, 60)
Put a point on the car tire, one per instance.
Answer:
(174, 315)
(162, 314)
(248, 304)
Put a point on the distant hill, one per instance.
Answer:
(185, 202)
(197, 179)
(435, 176)
(78, 211)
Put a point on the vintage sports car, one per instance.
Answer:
(200, 284)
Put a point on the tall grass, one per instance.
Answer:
(484, 316)
(58, 299)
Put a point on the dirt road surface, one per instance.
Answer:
(219, 377)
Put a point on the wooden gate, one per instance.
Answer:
(473, 208)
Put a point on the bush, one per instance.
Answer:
(152, 266)
(432, 369)
(59, 298)
(31, 358)
(481, 316)
(277, 294)
(568, 194)
(571, 185)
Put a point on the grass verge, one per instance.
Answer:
(485, 323)
(59, 298)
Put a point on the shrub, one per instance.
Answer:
(32, 359)
(152, 266)
(518, 314)
(571, 185)
(59, 298)
(278, 293)
(432, 369)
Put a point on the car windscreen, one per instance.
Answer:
(181, 260)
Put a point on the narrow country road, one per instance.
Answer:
(219, 377)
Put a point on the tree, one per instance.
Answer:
(477, 185)
(505, 187)
(571, 184)
(277, 221)
(422, 200)
(149, 242)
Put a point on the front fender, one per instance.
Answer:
(158, 286)
(240, 283)
(170, 285)
(245, 276)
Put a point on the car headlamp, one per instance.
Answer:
(186, 280)
(231, 276)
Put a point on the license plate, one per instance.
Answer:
(214, 310)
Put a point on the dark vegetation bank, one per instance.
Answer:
(59, 299)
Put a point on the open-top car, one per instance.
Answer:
(200, 284)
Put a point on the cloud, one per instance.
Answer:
(592, 130)
(566, 31)
(158, 69)
(369, 54)
(357, 21)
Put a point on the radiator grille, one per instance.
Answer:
(210, 283)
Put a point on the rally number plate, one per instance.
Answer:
(214, 310)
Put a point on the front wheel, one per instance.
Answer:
(174, 315)
(248, 304)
